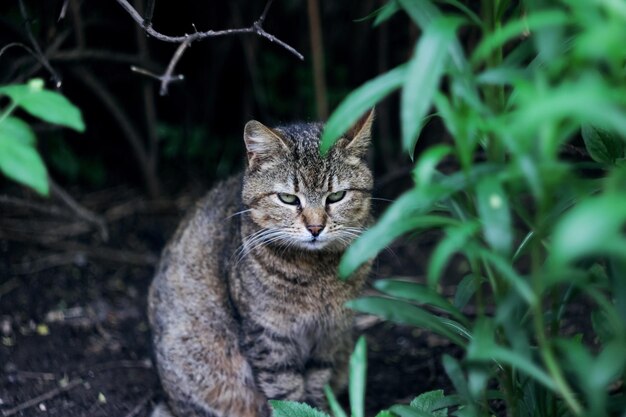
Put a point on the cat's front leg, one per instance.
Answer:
(328, 365)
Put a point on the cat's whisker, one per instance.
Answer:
(381, 199)
(238, 214)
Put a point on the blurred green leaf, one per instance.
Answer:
(455, 240)
(608, 365)
(603, 146)
(385, 413)
(466, 290)
(407, 411)
(420, 294)
(507, 272)
(423, 75)
(585, 100)
(422, 12)
(358, 371)
(466, 10)
(601, 325)
(618, 287)
(429, 159)
(593, 227)
(402, 312)
(483, 347)
(20, 161)
(495, 214)
(294, 409)
(385, 12)
(357, 103)
(49, 106)
(397, 220)
(427, 401)
(16, 129)
(335, 407)
(456, 375)
(516, 28)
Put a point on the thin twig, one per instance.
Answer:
(39, 53)
(123, 256)
(30, 205)
(43, 397)
(186, 40)
(63, 10)
(14, 44)
(79, 210)
(140, 406)
(148, 13)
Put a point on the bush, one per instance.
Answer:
(539, 232)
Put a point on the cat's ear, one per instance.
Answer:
(360, 135)
(262, 143)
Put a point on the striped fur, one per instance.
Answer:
(246, 305)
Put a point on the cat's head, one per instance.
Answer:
(299, 199)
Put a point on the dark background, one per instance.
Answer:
(228, 81)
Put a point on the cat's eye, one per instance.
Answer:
(335, 197)
(288, 199)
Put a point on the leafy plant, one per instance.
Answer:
(539, 235)
(19, 158)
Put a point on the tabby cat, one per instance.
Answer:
(246, 305)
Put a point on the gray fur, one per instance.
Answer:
(246, 305)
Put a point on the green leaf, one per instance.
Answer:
(422, 12)
(16, 129)
(495, 215)
(385, 413)
(466, 10)
(455, 373)
(407, 411)
(593, 227)
(483, 347)
(357, 103)
(602, 145)
(335, 407)
(405, 313)
(395, 222)
(466, 290)
(420, 294)
(423, 75)
(427, 164)
(608, 365)
(358, 372)
(294, 409)
(514, 29)
(385, 12)
(20, 161)
(49, 106)
(427, 401)
(509, 273)
(455, 240)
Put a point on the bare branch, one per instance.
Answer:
(39, 53)
(43, 397)
(63, 10)
(186, 40)
(168, 76)
(79, 210)
(147, 15)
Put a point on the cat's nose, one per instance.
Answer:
(315, 229)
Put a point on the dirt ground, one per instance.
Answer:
(74, 334)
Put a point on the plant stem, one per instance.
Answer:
(494, 94)
(547, 356)
(8, 111)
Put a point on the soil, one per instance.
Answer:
(74, 334)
